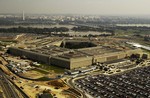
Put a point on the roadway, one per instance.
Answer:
(7, 84)
(71, 83)
(8, 88)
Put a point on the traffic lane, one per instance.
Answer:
(9, 90)
(5, 89)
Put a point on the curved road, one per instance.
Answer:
(71, 84)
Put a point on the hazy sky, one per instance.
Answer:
(101, 7)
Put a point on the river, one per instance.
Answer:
(130, 25)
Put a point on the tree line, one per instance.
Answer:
(33, 30)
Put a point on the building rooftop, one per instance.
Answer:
(73, 54)
(98, 50)
(52, 50)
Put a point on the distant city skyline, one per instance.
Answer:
(96, 7)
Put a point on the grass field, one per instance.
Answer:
(146, 51)
(52, 68)
(41, 71)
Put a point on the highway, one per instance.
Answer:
(8, 88)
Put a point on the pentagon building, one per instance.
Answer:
(70, 57)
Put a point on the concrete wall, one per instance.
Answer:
(60, 62)
(111, 58)
(130, 52)
(99, 59)
(115, 55)
(30, 55)
(71, 63)
(80, 62)
(122, 55)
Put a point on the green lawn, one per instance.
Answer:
(146, 51)
(43, 79)
(41, 71)
(52, 68)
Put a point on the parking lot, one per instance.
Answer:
(130, 84)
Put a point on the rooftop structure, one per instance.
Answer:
(98, 50)
(73, 58)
